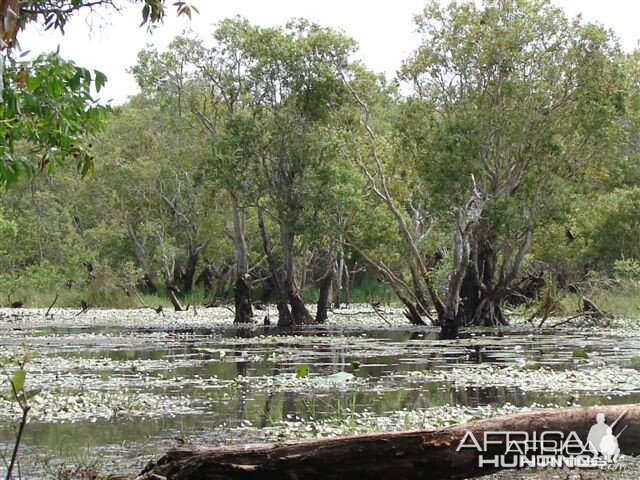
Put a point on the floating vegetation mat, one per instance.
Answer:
(123, 386)
(609, 380)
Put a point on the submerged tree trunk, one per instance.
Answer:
(242, 302)
(299, 313)
(241, 291)
(412, 455)
(324, 298)
(285, 319)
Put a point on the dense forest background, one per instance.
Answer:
(499, 170)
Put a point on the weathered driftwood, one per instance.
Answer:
(171, 292)
(425, 454)
(590, 309)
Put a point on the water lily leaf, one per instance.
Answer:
(580, 353)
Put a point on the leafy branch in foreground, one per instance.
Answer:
(47, 115)
(46, 107)
(18, 393)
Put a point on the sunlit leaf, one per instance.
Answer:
(303, 371)
(18, 379)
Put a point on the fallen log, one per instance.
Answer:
(403, 455)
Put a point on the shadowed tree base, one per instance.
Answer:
(426, 454)
(299, 313)
(242, 301)
(324, 298)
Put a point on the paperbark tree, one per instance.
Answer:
(297, 91)
(219, 106)
(368, 157)
(518, 96)
(154, 185)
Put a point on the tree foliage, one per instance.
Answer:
(47, 113)
(270, 158)
(517, 96)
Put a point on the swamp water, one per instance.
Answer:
(121, 387)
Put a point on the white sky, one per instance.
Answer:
(383, 29)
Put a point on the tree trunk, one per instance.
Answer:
(285, 320)
(223, 282)
(241, 291)
(141, 255)
(470, 293)
(473, 298)
(449, 325)
(325, 296)
(450, 314)
(452, 317)
(422, 302)
(242, 300)
(189, 272)
(178, 274)
(340, 267)
(425, 454)
(177, 306)
(481, 295)
(206, 278)
(299, 313)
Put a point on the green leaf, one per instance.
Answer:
(18, 379)
(146, 10)
(32, 393)
(100, 80)
(303, 371)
